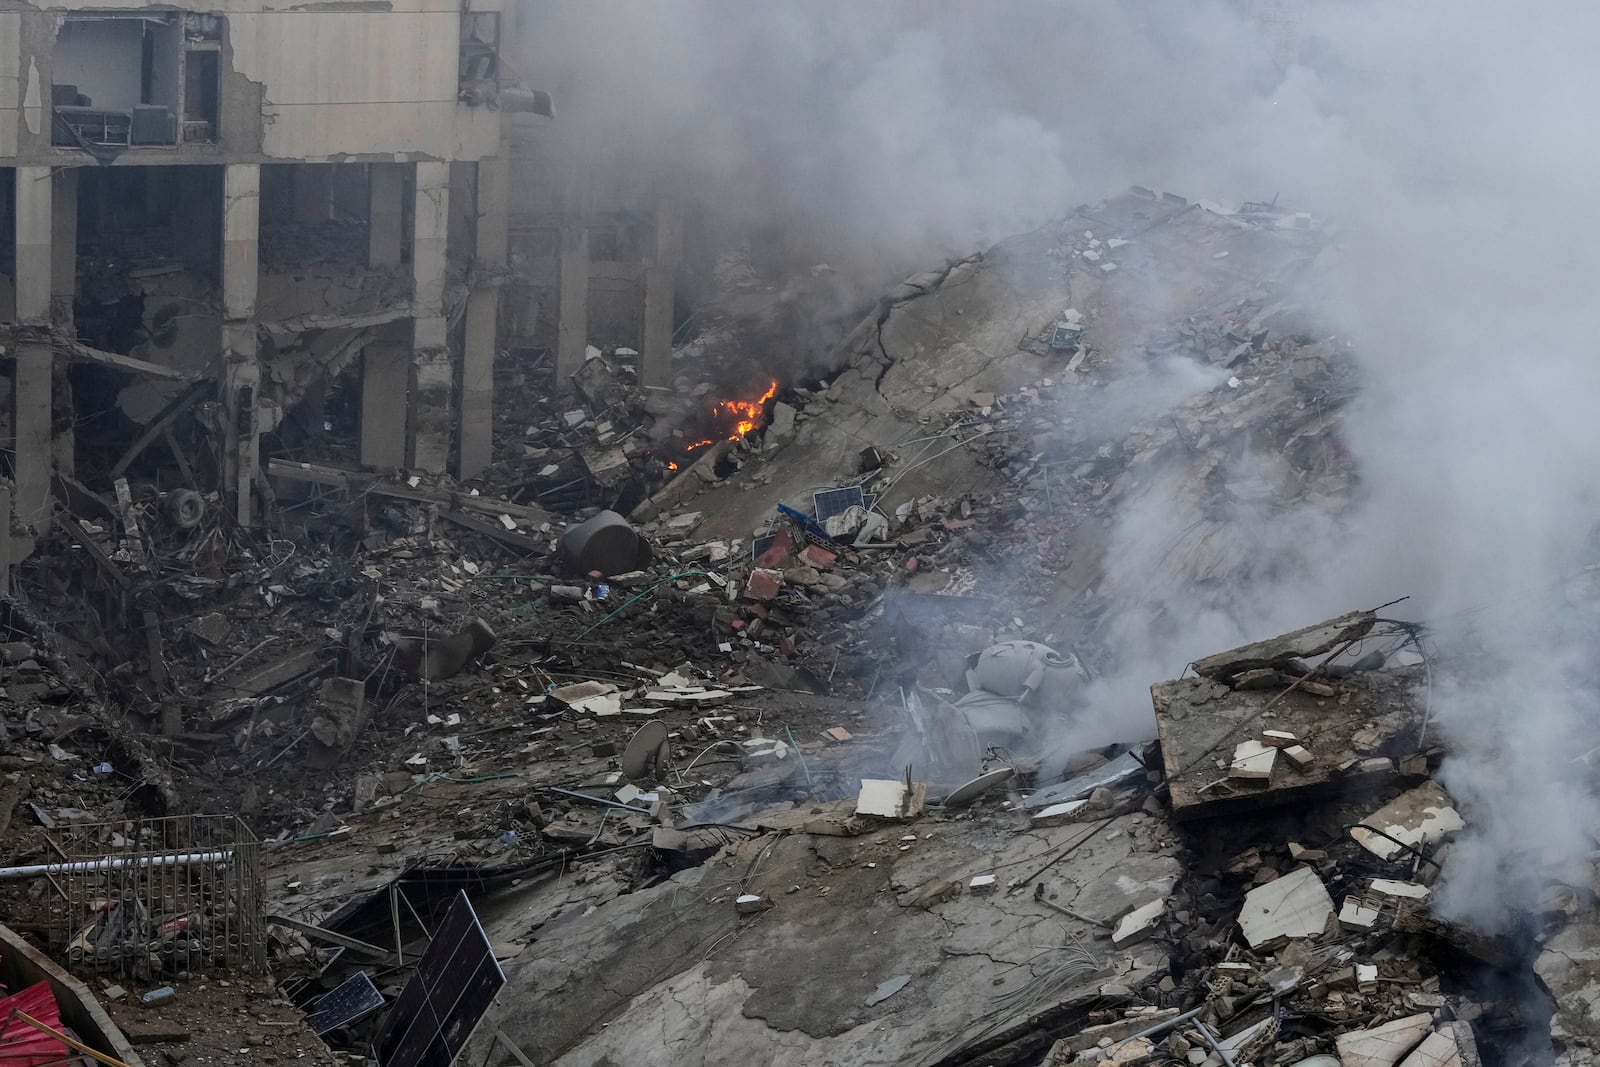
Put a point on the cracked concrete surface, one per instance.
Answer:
(942, 336)
(674, 974)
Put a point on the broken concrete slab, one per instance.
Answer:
(1418, 817)
(890, 798)
(1438, 1049)
(1278, 651)
(1139, 923)
(1201, 722)
(1383, 1046)
(1292, 907)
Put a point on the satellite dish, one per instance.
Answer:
(644, 749)
(966, 794)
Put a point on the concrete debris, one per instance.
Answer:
(1421, 816)
(640, 675)
(1383, 1046)
(1139, 923)
(1296, 905)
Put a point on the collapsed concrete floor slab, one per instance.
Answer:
(1264, 725)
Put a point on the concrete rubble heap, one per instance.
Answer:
(772, 757)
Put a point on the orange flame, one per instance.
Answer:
(745, 413)
(671, 466)
(748, 412)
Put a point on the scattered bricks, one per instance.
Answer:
(1375, 765)
(818, 557)
(837, 734)
(1357, 914)
(1300, 854)
(1301, 755)
(1318, 689)
(763, 585)
(1366, 977)
(981, 884)
(1278, 739)
(601, 749)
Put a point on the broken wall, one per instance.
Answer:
(333, 81)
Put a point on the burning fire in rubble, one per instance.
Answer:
(735, 418)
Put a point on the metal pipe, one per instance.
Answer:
(1216, 1046)
(111, 863)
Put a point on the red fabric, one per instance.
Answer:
(20, 1044)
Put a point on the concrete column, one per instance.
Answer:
(475, 442)
(386, 186)
(313, 191)
(34, 244)
(385, 386)
(430, 352)
(241, 373)
(572, 314)
(660, 275)
(386, 361)
(64, 245)
(35, 359)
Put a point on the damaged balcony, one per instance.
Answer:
(122, 81)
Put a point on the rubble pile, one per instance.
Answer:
(770, 747)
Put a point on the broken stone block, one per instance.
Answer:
(1294, 906)
(1139, 923)
(981, 884)
(1278, 739)
(1383, 1046)
(751, 904)
(341, 715)
(1252, 761)
(1420, 816)
(1299, 754)
(763, 585)
(782, 422)
(888, 798)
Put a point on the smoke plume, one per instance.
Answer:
(1445, 141)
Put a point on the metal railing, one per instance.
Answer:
(150, 898)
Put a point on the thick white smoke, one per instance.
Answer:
(1447, 141)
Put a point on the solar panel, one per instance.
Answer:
(831, 502)
(455, 982)
(350, 1001)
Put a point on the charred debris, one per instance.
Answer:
(794, 789)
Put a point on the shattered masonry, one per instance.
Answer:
(377, 542)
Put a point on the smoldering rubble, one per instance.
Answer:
(845, 737)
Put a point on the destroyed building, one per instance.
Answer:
(230, 208)
(427, 640)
